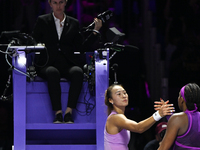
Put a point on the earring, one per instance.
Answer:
(112, 103)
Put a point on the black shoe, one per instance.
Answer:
(68, 118)
(58, 118)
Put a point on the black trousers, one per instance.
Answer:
(62, 69)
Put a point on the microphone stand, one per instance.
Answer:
(114, 68)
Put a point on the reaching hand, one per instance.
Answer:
(158, 104)
(166, 109)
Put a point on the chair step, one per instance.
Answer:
(60, 147)
(52, 126)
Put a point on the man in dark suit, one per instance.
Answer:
(61, 36)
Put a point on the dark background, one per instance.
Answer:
(176, 24)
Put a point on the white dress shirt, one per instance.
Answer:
(59, 25)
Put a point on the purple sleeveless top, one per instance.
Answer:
(117, 141)
(190, 140)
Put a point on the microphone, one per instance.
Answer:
(103, 17)
(126, 47)
(114, 67)
(121, 47)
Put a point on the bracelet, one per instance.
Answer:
(156, 116)
(96, 31)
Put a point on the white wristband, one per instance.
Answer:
(156, 116)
